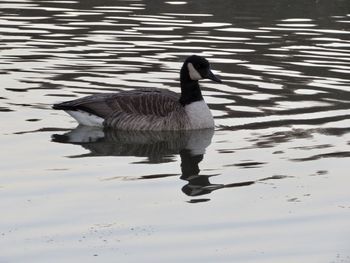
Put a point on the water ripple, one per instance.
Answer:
(279, 152)
(289, 70)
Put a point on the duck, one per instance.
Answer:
(151, 109)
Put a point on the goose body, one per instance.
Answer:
(149, 109)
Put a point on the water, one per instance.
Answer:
(272, 185)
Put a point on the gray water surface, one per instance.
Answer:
(269, 184)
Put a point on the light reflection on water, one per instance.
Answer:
(276, 161)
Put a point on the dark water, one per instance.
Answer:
(270, 184)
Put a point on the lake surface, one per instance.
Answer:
(273, 183)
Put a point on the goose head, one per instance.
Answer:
(196, 68)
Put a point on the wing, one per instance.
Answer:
(175, 120)
(141, 102)
(145, 102)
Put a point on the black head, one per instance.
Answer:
(199, 68)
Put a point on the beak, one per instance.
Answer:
(213, 77)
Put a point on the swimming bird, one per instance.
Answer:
(149, 109)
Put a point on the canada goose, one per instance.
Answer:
(149, 109)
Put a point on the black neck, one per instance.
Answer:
(190, 91)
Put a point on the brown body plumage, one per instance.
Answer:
(134, 110)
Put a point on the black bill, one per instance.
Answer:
(213, 77)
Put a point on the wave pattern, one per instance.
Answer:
(275, 166)
(276, 71)
(281, 71)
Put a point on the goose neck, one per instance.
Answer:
(190, 90)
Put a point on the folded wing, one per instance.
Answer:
(136, 110)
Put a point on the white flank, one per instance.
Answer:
(199, 115)
(86, 118)
(194, 74)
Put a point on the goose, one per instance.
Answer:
(149, 109)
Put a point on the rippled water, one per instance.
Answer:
(272, 185)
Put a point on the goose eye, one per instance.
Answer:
(201, 66)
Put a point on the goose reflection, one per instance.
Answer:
(199, 184)
(157, 147)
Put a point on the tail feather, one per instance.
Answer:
(96, 105)
(63, 106)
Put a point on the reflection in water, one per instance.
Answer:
(199, 184)
(158, 147)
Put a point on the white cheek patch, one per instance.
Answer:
(194, 74)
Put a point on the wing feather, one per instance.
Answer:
(154, 102)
